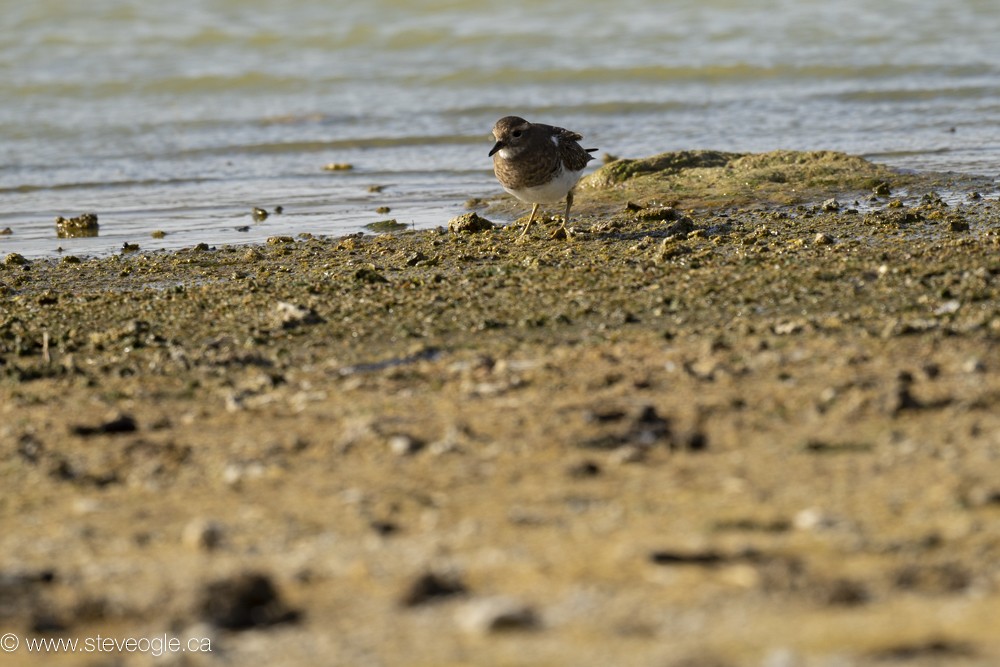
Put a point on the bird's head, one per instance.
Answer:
(511, 134)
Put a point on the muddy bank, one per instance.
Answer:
(747, 415)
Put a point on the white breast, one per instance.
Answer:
(552, 191)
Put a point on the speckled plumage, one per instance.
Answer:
(538, 163)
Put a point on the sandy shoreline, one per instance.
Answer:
(748, 396)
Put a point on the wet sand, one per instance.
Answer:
(748, 415)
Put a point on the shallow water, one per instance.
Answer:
(183, 116)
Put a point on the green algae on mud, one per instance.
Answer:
(714, 178)
(791, 409)
(386, 226)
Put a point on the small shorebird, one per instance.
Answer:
(538, 164)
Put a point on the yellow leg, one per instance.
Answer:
(563, 232)
(531, 218)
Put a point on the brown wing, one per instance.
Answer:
(573, 155)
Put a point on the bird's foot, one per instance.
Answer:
(562, 233)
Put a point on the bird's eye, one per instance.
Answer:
(516, 134)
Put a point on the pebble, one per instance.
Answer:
(404, 445)
(790, 327)
(649, 427)
(290, 315)
(902, 399)
(812, 519)
(384, 528)
(628, 454)
(243, 601)
(823, 239)
(604, 415)
(974, 365)
(701, 558)
(469, 223)
(368, 274)
(121, 423)
(882, 189)
(431, 587)
(949, 307)
(983, 496)
(496, 614)
(415, 258)
(202, 534)
(692, 441)
(450, 441)
(583, 470)
(235, 473)
(81, 226)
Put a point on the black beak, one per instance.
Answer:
(497, 146)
